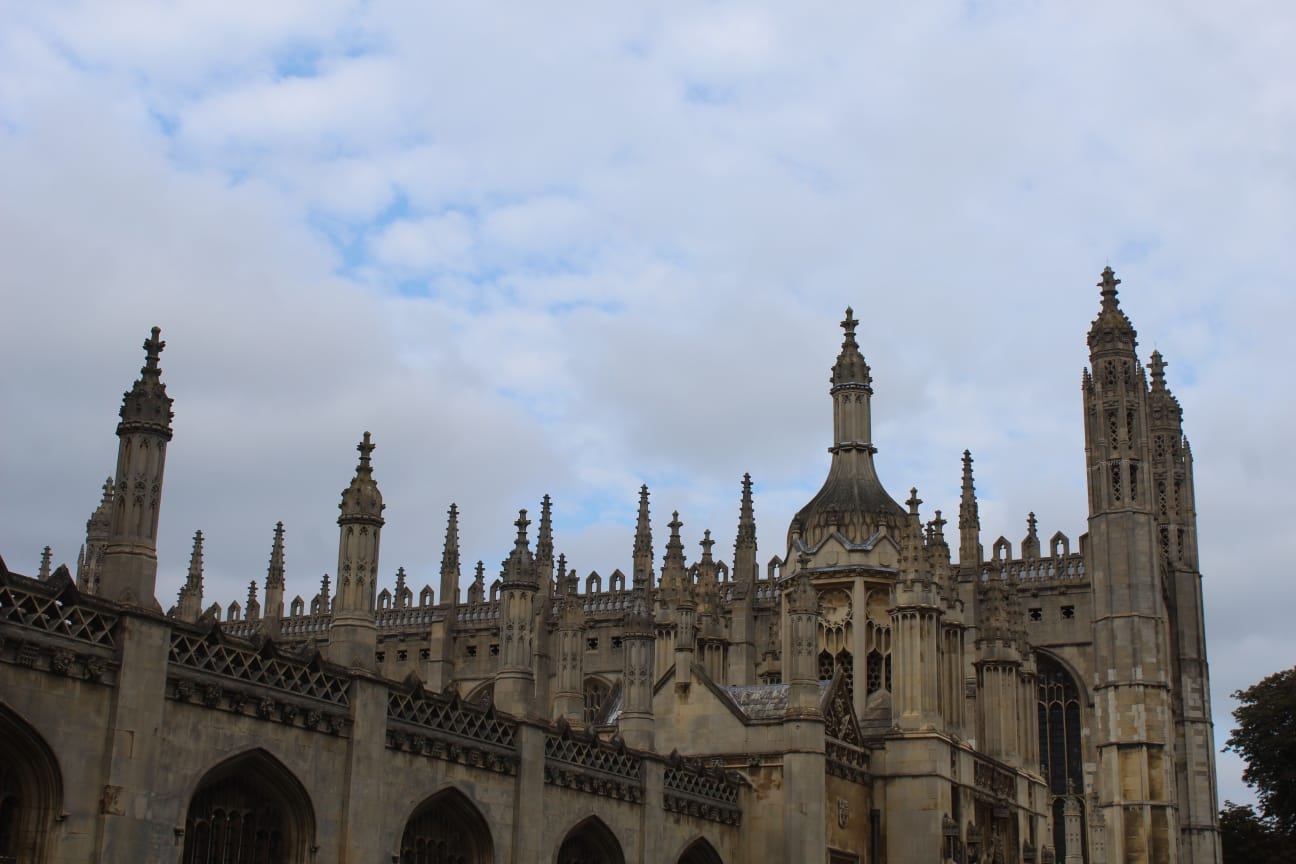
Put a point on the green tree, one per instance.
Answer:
(1266, 738)
(1245, 838)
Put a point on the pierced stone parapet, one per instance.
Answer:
(585, 763)
(1068, 570)
(54, 607)
(704, 793)
(261, 666)
(487, 612)
(443, 727)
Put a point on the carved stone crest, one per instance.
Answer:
(843, 812)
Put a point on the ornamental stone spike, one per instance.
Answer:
(643, 572)
(353, 635)
(450, 568)
(129, 573)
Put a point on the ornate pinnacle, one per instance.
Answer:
(450, 552)
(366, 447)
(400, 584)
(1111, 329)
(152, 349)
(1031, 524)
(361, 500)
(47, 556)
(1157, 366)
(522, 522)
(544, 540)
(1108, 285)
(849, 324)
(746, 538)
(252, 594)
(914, 501)
(851, 367)
(706, 543)
(146, 406)
(643, 526)
(275, 573)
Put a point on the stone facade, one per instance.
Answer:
(865, 697)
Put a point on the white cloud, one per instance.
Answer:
(637, 232)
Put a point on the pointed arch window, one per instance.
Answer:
(31, 791)
(249, 810)
(590, 842)
(446, 829)
(596, 693)
(1061, 749)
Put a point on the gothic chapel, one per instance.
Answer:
(877, 693)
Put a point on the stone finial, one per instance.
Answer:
(47, 557)
(252, 595)
(400, 588)
(361, 500)
(477, 590)
(969, 517)
(643, 542)
(1030, 544)
(152, 351)
(275, 572)
(706, 543)
(851, 367)
(746, 537)
(544, 538)
(519, 567)
(146, 406)
(450, 569)
(914, 501)
(1158, 366)
(1111, 330)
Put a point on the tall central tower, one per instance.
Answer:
(1135, 737)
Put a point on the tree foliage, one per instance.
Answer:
(1266, 738)
(1245, 838)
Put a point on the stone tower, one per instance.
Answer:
(1135, 733)
(129, 573)
(353, 635)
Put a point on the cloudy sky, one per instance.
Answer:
(572, 248)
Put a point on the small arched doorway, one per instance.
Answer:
(31, 791)
(249, 810)
(446, 829)
(590, 842)
(700, 852)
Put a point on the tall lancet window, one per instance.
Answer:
(1061, 753)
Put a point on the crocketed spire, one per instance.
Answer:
(362, 497)
(643, 542)
(146, 405)
(1111, 330)
(519, 567)
(275, 572)
(850, 367)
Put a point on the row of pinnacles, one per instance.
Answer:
(922, 645)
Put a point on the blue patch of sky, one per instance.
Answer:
(299, 60)
(703, 93)
(1136, 249)
(583, 508)
(167, 124)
